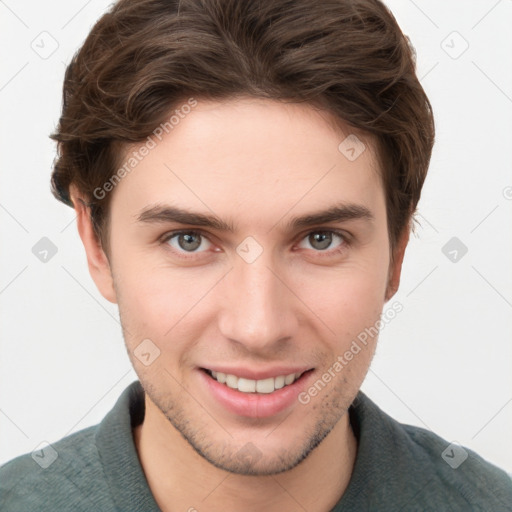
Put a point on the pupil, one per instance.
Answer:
(324, 240)
(188, 241)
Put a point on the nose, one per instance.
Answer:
(258, 309)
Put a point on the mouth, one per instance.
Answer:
(254, 386)
(274, 392)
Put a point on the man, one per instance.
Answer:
(245, 176)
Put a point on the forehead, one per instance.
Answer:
(254, 156)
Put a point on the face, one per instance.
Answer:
(246, 248)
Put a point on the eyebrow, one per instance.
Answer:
(338, 213)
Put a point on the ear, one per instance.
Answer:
(395, 267)
(99, 266)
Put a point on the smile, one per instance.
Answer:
(268, 385)
(255, 393)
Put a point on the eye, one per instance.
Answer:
(193, 242)
(187, 241)
(323, 240)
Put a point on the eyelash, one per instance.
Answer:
(346, 241)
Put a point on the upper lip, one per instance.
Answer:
(258, 374)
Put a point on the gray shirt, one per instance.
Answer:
(398, 468)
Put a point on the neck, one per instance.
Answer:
(180, 479)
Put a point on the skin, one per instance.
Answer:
(256, 164)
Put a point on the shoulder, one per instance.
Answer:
(65, 475)
(425, 470)
(459, 471)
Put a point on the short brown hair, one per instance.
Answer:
(143, 57)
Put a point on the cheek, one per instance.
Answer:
(157, 301)
(154, 306)
(348, 301)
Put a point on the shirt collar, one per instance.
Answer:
(377, 453)
(118, 455)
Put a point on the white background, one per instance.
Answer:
(444, 363)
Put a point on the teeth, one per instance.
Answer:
(289, 379)
(279, 381)
(246, 385)
(255, 386)
(265, 385)
(232, 381)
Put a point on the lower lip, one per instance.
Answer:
(255, 405)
